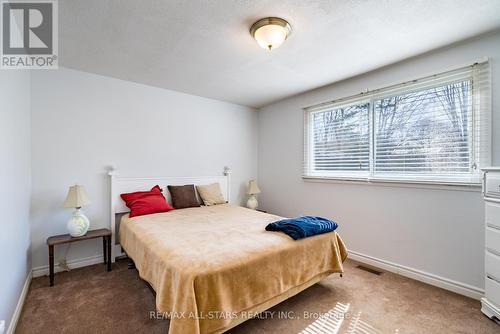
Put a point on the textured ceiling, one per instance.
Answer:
(204, 48)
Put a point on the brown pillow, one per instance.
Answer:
(183, 196)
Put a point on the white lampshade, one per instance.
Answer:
(270, 32)
(253, 188)
(77, 197)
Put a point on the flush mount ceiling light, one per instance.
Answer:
(270, 32)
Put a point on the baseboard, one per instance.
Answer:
(19, 307)
(88, 261)
(41, 271)
(441, 282)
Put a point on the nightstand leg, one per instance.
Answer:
(51, 265)
(104, 250)
(109, 252)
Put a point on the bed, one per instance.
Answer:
(214, 267)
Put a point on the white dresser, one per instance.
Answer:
(491, 191)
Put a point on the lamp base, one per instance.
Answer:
(252, 202)
(78, 225)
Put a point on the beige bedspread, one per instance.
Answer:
(209, 264)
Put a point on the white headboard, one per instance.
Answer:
(121, 184)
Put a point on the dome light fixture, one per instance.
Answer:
(270, 32)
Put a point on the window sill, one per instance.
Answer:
(437, 185)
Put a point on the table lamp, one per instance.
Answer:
(78, 224)
(253, 189)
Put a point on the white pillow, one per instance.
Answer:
(211, 194)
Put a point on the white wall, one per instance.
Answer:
(83, 122)
(15, 182)
(437, 231)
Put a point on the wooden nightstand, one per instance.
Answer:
(103, 233)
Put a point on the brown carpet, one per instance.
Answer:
(91, 300)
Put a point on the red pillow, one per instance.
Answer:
(128, 197)
(146, 202)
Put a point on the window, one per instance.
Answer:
(435, 129)
(341, 138)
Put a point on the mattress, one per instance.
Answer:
(212, 266)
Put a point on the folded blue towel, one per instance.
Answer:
(303, 227)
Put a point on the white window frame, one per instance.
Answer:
(357, 175)
(479, 140)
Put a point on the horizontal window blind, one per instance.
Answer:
(340, 140)
(434, 129)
